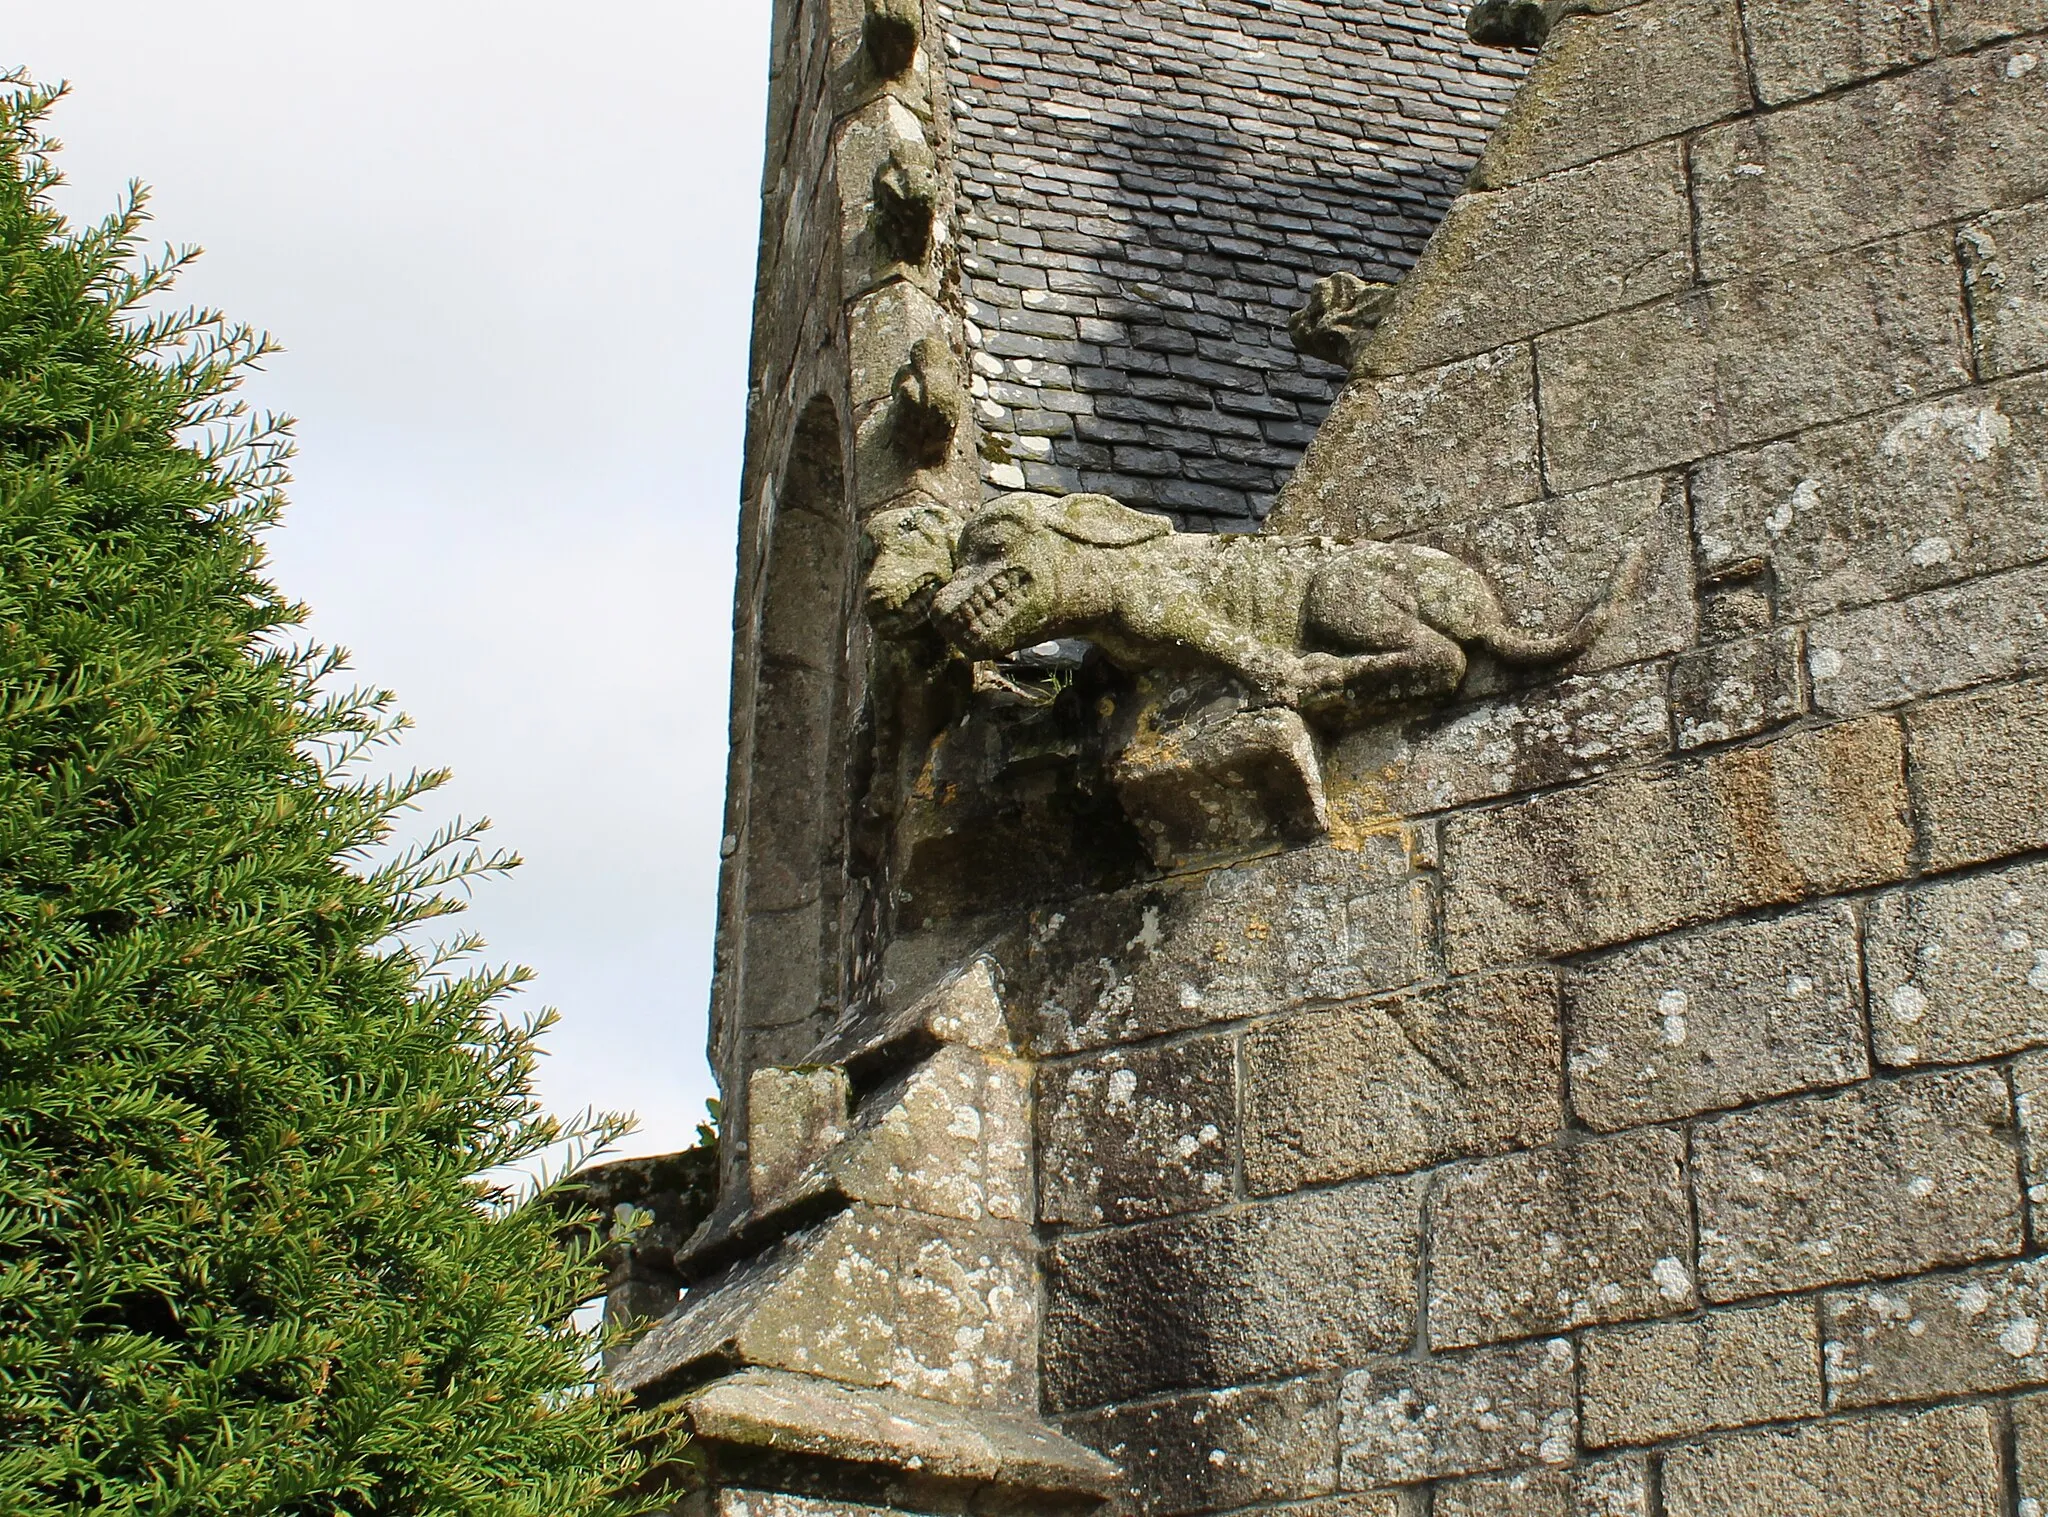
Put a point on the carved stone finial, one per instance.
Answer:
(906, 200)
(1330, 629)
(1341, 313)
(930, 404)
(891, 31)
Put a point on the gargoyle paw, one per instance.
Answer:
(1320, 673)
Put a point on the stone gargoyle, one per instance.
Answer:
(1320, 626)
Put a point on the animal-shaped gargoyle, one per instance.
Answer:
(1310, 623)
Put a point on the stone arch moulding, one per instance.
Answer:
(793, 836)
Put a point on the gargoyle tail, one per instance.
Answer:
(1526, 648)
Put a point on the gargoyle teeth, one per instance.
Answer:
(982, 613)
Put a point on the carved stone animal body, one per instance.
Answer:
(1306, 622)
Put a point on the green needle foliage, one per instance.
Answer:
(246, 1264)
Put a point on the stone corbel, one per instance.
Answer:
(930, 403)
(1242, 645)
(892, 31)
(1204, 774)
(1342, 313)
(906, 199)
(1519, 25)
(911, 417)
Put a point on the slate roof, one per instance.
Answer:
(1149, 189)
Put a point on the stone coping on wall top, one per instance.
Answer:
(798, 1414)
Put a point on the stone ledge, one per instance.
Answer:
(786, 1413)
(901, 1288)
(965, 1008)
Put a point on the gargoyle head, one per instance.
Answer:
(913, 557)
(1032, 567)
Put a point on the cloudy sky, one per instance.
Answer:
(508, 248)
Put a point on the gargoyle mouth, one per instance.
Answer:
(978, 621)
(907, 601)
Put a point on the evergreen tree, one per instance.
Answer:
(246, 1264)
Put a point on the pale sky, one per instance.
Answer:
(509, 250)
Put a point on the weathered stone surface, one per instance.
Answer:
(1726, 1369)
(1406, 1420)
(784, 1043)
(1397, 455)
(1566, 730)
(1339, 317)
(959, 1006)
(1740, 607)
(1896, 154)
(1609, 81)
(1980, 774)
(1595, 1488)
(1206, 779)
(1762, 355)
(1144, 1133)
(1886, 655)
(2030, 1454)
(1632, 855)
(868, 253)
(1597, 1231)
(1738, 689)
(1884, 507)
(2005, 275)
(1883, 1180)
(1402, 1083)
(951, 1137)
(1551, 559)
(1955, 973)
(928, 403)
(1261, 1292)
(875, 50)
(1535, 1492)
(1718, 1018)
(1967, 23)
(1314, 924)
(883, 471)
(1801, 47)
(1949, 1335)
(1613, 1488)
(1941, 1463)
(1509, 264)
(919, 1304)
(740, 1503)
(2030, 1089)
(800, 1414)
(1220, 1448)
(794, 1117)
(783, 806)
(1355, 1504)
(1012, 787)
(881, 330)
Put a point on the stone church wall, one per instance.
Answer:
(1629, 1098)
(1634, 1108)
